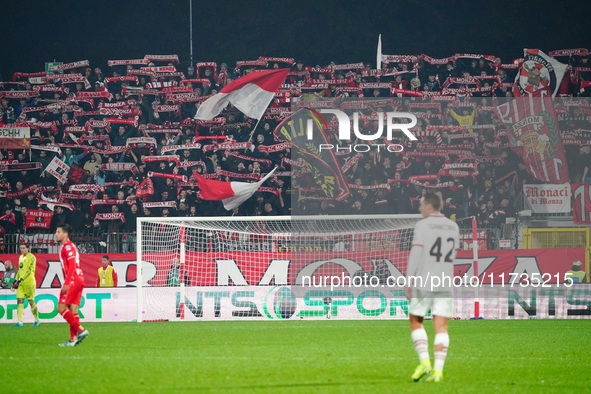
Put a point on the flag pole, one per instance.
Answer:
(253, 130)
(379, 54)
(191, 30)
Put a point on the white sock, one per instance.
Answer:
(440, 339)
(421, 342)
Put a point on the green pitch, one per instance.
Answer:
(294, 356)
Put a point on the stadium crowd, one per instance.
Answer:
(128, 135)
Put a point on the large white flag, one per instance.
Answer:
(539, 73)
(251, 94)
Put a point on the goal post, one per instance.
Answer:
(183, 262)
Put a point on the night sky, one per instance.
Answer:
(34, 32)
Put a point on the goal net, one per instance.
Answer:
(192, 267)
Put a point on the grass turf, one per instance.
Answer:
(302, 356)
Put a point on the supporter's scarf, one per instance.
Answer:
(407, 92)
(228, 145)
(98, 123)
(132, 122)
(167, 108)
(120, 111)
(110, 216)
(437, 185)
(87, 187)
(256, 177)
(430, 177)
(111, 63)
(188, 97)
(100, 201)
(195, 80)
(24, 192)
(10, 217)
(48, 148)
(231, 153)
(455, 173)
(17, 75)
(109, 150)
(51, 88)
(187, 164)
(53, 204)
(182, 178)
(372, 187)
(68, 66)
(75, 129)
(299, 163)
(127, 78)
(351, 162)
(18, 94)
(71, 196)
(426, 154)
(65, 80)
(173, 158)
(93, 95)
(273, 190)
(177, 89)
(120, 167)
(456, 166)
(162, 58)
(118, 104)
(174, 148)
(160, 204)
(145, 189)
(102, 137)
(160, 85)
(20, 166)
(275, 148)
(213, 137)
(141, 141)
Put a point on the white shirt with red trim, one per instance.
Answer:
(434, 247)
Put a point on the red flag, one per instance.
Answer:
(251, 94)
(533, 132)
(38, 218)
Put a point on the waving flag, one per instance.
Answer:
(251, 94)
(534, 133)
(232, 194)
(539, 73)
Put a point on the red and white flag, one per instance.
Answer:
(251, 94)
(232, 194)
(539, 75)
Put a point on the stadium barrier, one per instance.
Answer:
(269, 303)
(215, 270)
(578, 237)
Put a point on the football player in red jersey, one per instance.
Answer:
(71, 292)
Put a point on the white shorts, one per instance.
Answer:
(439, 305)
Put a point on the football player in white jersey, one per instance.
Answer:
(429, 276)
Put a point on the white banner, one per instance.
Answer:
(58, 169)
(547, 198)
(278, 302)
